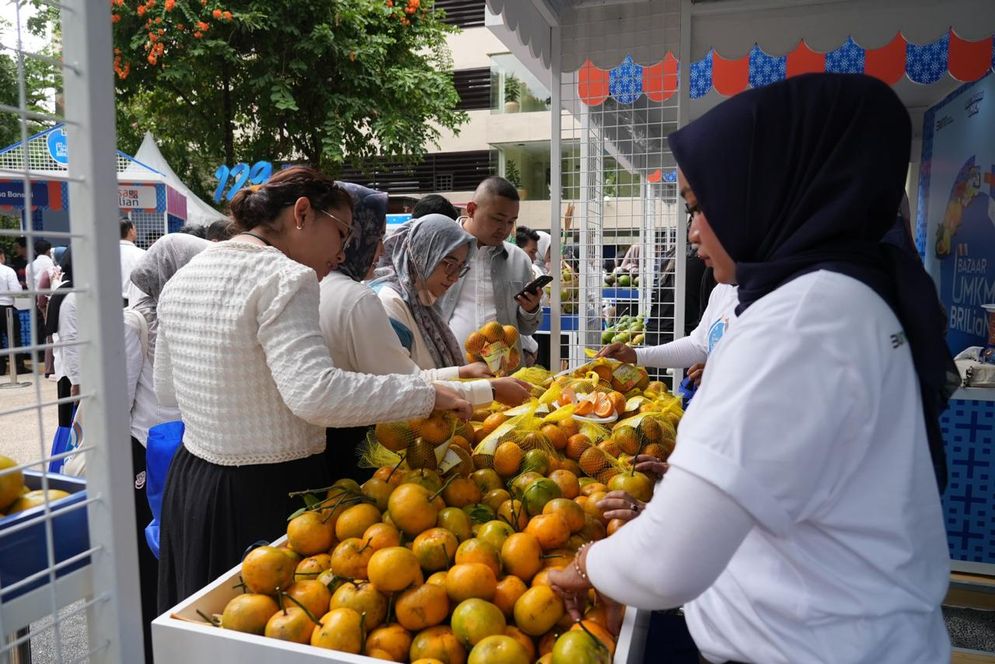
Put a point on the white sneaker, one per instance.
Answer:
(52, 377)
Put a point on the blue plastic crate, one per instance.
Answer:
(24, 553)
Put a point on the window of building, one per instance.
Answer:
(444, 171)
(526, 165)
(464, 13)
(474, 88)
(514, 89)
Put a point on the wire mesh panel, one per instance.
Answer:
(619, 243)
(68, 568)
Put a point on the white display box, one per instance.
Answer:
(180, 636)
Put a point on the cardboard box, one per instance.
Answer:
(180, 636)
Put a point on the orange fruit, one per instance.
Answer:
(499, 648)
(551, 530)
(593, 487)
(610, 447)
(567, 481)
(340, 629)
(600, 633)
(493, 421)
(592, 462)
(390, 475)
(576, 445)
(395, 436)
(584, 407)
(436, 428)
(513, 512)
(470, 580)
(378, 491)
(618, 401)
(439, 579)
(457, 522)
(572, 513)
(394, 568)
(558, 559)
(475, 619)
(538, 610)
(524, 639)
(475, 343)
(350, 558)
(510, 335)
(411, 508)
(462, 442)
(508, 590)
(572, 466)
(627, 439)
(594, 529)
(435, 549)
(541, 579)
(591, 507)
(422, 607)
(614, 525)
(476, 550)
(381, 535)
(291, 624)
(355, 520)
(569, 427)
(461, 492)
(439, 644)
(311, 567)
(507, 459)
(493, 499)
(363, 598)
(556, 436)
(267, 569)
(603, 406)
(391, 639)
(607, 474)
(521, 554)
(495, 532)
(249, 613)
(313, 594)
(311, 533)
(547, 641)
(492, 331)
(636, 484)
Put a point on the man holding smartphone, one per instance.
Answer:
(499, 271)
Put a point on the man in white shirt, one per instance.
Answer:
(499, 271)
(39, 267)
(10, 287)
(130, 255)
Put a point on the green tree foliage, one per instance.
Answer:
(315, 81)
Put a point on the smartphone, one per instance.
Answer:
(537, 285)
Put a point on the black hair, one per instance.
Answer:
(496, 185)
(22, 242)
(260, 205)
(219, 230)
(42, 247)
(524, 235)
(126, 226)
(434, 204)
(196, 231)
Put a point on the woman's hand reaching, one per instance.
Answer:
(475, 370)
(511, 391)
(447, 399)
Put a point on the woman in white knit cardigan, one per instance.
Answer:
(240, 352)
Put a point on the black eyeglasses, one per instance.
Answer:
(345, 229)
(454, 268)
(692, 209)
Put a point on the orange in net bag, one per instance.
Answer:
(496, 346)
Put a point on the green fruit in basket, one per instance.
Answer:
(35, 499)
(639, 340)
(455, 521)
(624, 281)
(538, 493)
(580, 647)
(607, 335)
(10, 482)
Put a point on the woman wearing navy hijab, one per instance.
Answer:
(800, 519)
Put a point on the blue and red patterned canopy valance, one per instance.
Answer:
(921, 63)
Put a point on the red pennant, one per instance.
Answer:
(969, 61)
(804, 60)
(660, 80)
(655, 176)
(592, 84)
(730, 76)
(888, 62)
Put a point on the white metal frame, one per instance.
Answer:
(108, 586)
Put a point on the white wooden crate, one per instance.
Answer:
(180, 636)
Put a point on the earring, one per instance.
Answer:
(300, 226)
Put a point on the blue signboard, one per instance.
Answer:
(12, 193)
(58, 146)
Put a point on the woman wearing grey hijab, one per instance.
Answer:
(427, 258)
(157, 266)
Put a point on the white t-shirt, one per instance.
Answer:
(476, 304)
(802, 490)
(130, 255)
(10, 287)
(39, 267)
(697, 346)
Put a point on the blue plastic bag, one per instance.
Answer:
(60, 444)
(687, 391)
(164, 439)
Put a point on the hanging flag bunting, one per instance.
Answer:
(922, 63)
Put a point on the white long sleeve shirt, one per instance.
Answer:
(144, 406)
(695, 348)
(804, 494)
(10, 287)
(130, 255)
(360, 338)
(240, 351)
(67, 357)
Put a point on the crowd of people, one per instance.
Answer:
(815, 537)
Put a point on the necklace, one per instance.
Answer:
(258, 237)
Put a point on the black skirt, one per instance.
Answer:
(211, 514)
(341, 447)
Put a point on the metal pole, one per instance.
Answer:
(115, 619)
(555, 195)
(11, 354)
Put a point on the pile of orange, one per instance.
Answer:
(495, 344)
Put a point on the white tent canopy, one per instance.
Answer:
(199, 213)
